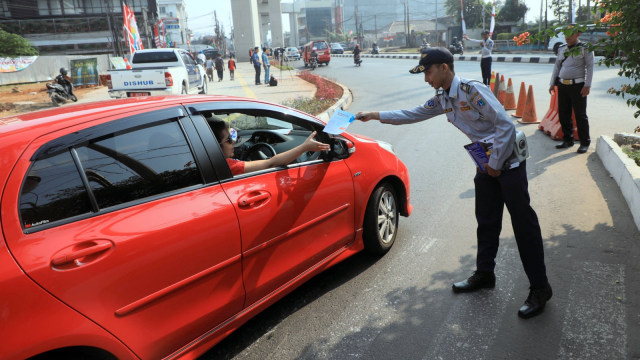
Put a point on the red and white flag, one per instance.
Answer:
(493, 18)
(130, 28)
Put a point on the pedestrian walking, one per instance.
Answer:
(473, 109)
(209, 68)
(219, 64)
(255, 60)
(572, 73)
(485, 63)
(232, 67)
(201, 57)
(265, 64)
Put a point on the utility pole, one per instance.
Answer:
(409, 25)
(355, 10)
(375, 25)
(571, 20)
(437, 35)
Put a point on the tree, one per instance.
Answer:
(472, 11)
(560, 10)
(13, 45)
(512, 10)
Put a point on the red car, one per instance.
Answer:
(125, 235)
(322, 49)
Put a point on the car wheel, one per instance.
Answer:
(327, 63)
(381, 220)
(204, 87)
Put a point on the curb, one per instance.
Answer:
(624, 171)
(515, 59)
(343, 103)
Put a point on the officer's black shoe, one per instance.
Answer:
(477, 281)
(565, 144)
(536, 301)
(583, 149)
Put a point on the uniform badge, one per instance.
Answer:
(479, 101)
(448, 110)
(473, 97)
(463, 103)
(430, 104)
(466, 108)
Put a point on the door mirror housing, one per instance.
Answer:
(341, 148)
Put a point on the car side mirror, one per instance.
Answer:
(341, 148)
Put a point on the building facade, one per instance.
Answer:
(76, 26)
(173, 14)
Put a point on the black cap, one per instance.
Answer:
(430, 56)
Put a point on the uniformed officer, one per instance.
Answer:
(572, 74)
(487, 59)
(471, 107)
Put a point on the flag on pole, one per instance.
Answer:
(464, 28)
(493, 18)
(130, 28)
(159, 35)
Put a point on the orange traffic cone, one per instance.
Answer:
(510, 98)
(502, 90)
(522, 99)
(126, 62)
(496, 86)
(529, 116)
(492, 82)
(552, 114)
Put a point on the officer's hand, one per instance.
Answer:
(491, 171)
(585, 91)
(366, 116)
(552, 89)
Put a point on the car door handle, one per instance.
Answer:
(72, 256)
(253, 198)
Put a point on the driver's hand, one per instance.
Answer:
(311, 145)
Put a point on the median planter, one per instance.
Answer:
(624, 171)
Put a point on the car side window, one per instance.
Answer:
(119, 167)
(51, 191)
(188, 60)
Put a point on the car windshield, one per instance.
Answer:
(320, 45)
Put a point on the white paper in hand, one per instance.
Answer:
(339, 122)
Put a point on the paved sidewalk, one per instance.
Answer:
(289, 85)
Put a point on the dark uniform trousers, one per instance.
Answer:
(485, 67)
(569, 98)
(257, 69)
(492, 194)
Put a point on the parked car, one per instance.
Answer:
(158, 72)
(322, 49)
(336, 48)
(292, 53)
(591, 35)
(125, 235)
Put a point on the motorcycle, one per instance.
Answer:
(313, 62)
(61, 90)
(357, 60)
(456, 49)
(375, 50)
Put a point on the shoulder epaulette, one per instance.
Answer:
(466, 87)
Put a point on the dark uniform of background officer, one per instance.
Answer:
(472, 108)
(573, 74)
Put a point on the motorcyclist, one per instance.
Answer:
(375, 49)
(456, 46)
(314, 53)
(454, 42)
(65, 81)
(356, 53)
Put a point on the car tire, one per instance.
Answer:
(381, 220)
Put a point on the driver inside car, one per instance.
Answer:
(227, 137)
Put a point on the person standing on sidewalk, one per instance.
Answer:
(255, 60)
(232, 66)
(485, 63)
(474, 110)
(572, 74)
(265, 63)
(219, 65)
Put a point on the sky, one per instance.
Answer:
(201, 14)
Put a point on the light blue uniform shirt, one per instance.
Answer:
(471, 107)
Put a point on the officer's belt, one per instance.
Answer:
(570, 81)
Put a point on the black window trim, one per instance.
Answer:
(68, 143)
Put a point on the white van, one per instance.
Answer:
(591, 36)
